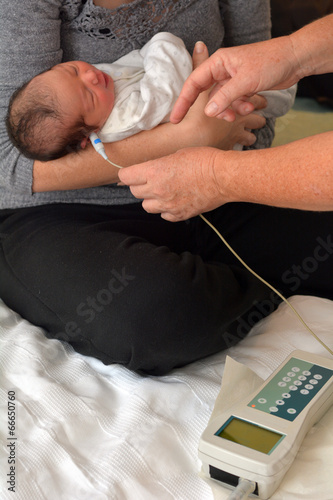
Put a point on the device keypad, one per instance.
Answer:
(291, 389)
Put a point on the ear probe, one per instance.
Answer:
(99, 148)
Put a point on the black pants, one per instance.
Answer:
(128, 287)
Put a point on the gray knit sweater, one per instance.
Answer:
(37, 34)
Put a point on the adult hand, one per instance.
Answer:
(237, 73)
(178, 186)
(197, 129)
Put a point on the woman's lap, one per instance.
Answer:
(125, 286)
(291, 249)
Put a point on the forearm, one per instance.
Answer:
(88, 169)
(297, 175)
(313, 47)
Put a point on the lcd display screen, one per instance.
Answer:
(250, 435)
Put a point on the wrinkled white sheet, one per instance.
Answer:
(86, 431)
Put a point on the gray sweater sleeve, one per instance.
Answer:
(40, 26)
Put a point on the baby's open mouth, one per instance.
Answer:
(106, 79)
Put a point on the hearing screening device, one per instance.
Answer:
(259, 437)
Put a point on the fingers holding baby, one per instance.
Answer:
(219, 133)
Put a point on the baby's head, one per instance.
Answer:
(54, 113)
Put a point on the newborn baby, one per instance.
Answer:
(55, 112)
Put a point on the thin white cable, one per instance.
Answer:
(243, 490)
(114, 164)
(266, 283)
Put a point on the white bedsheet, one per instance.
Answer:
(86, 431)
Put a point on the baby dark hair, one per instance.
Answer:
(36, 124)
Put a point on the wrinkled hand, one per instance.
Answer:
(237, 73)
(178, 186)
(202, 130)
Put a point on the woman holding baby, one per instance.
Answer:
(78, 254)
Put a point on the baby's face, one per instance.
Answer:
(83, 91)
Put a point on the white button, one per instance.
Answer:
(273, 409)
(282, 384)
(279, 402)
(286, 395)
(304, 391)
(286, 379)
(298, 382)
(307, 373)
(295, 369)
(291, 374)
(309, 386)
(301, 377)
(313, 381)
(293, 387)
(262, 400)
(317, 376)
(292, 411)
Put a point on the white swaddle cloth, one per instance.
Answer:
(147, 83)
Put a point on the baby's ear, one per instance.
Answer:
(84, 142)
